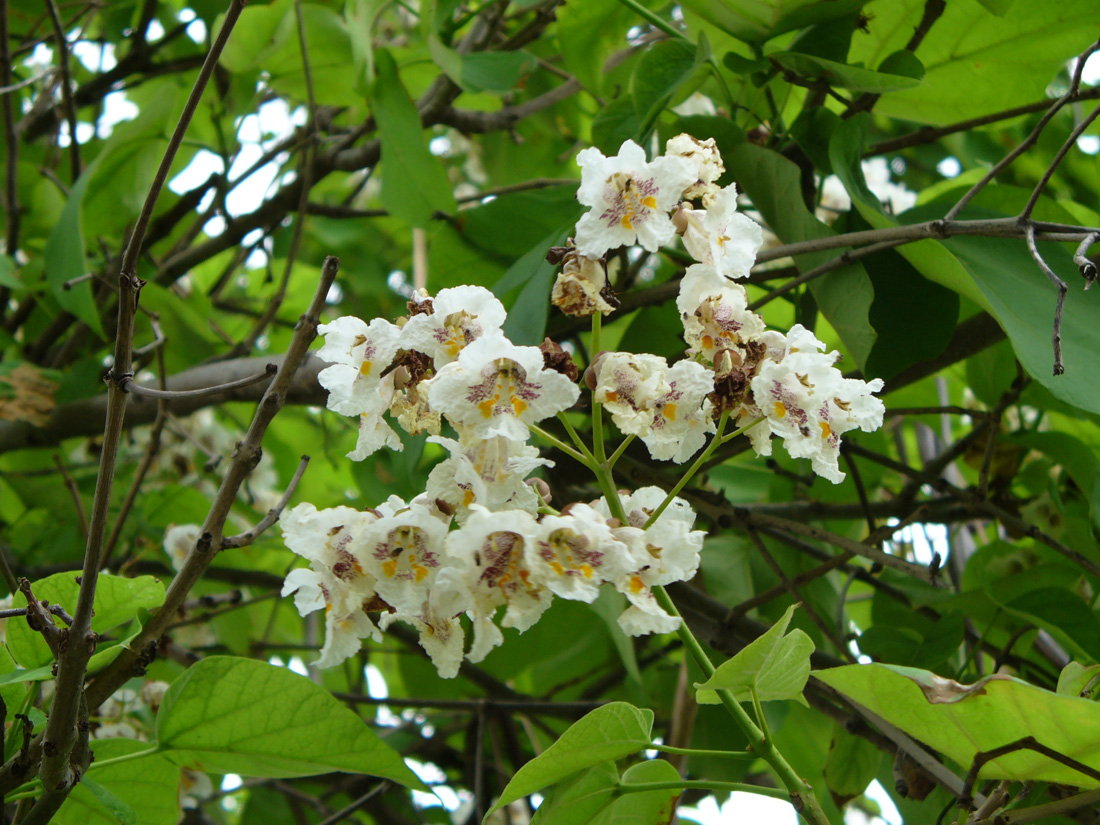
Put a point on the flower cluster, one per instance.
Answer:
(735, 365)
(482, 543)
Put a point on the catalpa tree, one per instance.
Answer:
(541, 411)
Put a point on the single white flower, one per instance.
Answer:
(721, 236)
(715, 313)
(497, 388)
(441, 636)
(682, 416)
(359, 353)
(809, 404)
(493, 551)
(666, 551)
(630, 387)
(490, 472)
(403, 553)
(630, 199)
(706, 163)
(576, 552)
(460, 315)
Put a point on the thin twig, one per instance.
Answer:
(1069, 143)
(128, 385)
(66, 89)
(246, 538)
(1087, 267)
(1056, 333)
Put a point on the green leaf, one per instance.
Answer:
(526, 322)
(664, 67)
(578, 800)
(774, 666)
(117, 600)
(851, 765)
(843, 75)
(755, 21)
(975, 63)
(1075, 677)
(588, 33)
(258, 33)
(233, 715)
(360, 16)
(116, 808)
(64, 257)
(414, 185)
(615, 123)
(148, 787)
(610, 732)
(962, 720)
(8, 276)
(497, 72)
(644, 806)
(902, 62)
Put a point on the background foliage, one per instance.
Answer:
(963, 540)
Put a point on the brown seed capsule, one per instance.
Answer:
(557, 359)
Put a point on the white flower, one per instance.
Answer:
(576, 552)
(630, 387)
(335, 580)
(809, 404)
(706, 163)
(179, 539)
(668, 550)
(374, 432)
(497, 388)
(721, 236)
(493, 550)
(403, 553)
(459, 316)
(489, 472)
(441, 636)
(715, 313)
(359, 354)
(682, 416)
(630, 199)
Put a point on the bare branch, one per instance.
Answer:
(249, 536)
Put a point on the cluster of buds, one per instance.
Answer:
(483, 535)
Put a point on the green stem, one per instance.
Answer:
(581, 446)
(126, 757)
(760, 719)
(692, 470)
(561, 445)
(704, 784)
(741, 430)
(597, 323)
(619, 451)
(706, 753)
(799, 791)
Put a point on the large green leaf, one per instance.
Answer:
(599, 796)
(117, 600)
(663, 69)
(414, 183)
(232, 715)
(755, 21)
(588, 33)
(610, 732)
(963, 720)
(976, 62)
(774, 666)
